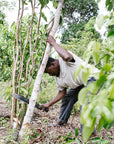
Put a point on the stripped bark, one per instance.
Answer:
(29, 113)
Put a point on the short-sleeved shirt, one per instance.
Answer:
(67, 69)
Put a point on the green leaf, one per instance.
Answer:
(111, 95)
(43, 16)
(77, 141)
(43, 3)
(35, 55)
(87, 54)
(77, 71)
(82, 95)
(108, 125)
(111, 33)
(96, 57)
(101, 123)
(110, 6)
(91, 44)
(96, 140)
(69, 141)
(107, 67)
(92, 87)
(98, 1)
(25, 2)
(111, 22)
(84, 108)
(107, 114)
(87, 131)
(96, 111)
(107, 2)
(111, 76)
(96, 47)
(76, 132)
(101, 80)
(85, 75)
(105, 141)
(100, 21)
(88, 120)
(60, 21)
(93, 49)
(24, 90)
(69, 134)
(55, 3)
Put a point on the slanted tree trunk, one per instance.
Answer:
(36, 88)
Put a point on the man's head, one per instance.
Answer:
(52, 67)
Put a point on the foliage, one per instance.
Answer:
(48, 89)
(76, 14)
(11, 137)
(100, 100)
(69, 138)
(28, 53)
(6, 42)
(79, 44)
(85, 9)
(6, 52)
(110, 5)
(6, 4)
(3, 121)
(2, 17)
(30, 46)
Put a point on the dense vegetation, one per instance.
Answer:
(76, 14)
(82, 39)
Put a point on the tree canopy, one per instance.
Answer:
(76, 14)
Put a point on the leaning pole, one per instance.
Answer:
(36, 88)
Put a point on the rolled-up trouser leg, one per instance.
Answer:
(67, 104)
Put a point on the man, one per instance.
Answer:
(63, 69)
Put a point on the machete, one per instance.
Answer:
(25, 100)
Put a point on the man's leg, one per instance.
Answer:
(67, 104)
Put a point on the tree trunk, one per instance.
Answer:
(30, 110)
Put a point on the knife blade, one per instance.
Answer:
(25, 100)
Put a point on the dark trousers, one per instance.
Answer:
(69, 100)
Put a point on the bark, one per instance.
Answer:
(31, 54)
(27, 38)
(16, 50)
(15, 59)
(30, 110)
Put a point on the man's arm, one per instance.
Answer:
(59, 96)
(66, 56)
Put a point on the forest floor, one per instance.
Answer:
(44, 131)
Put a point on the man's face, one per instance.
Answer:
(53, 69)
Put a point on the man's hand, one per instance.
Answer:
(51, 40)
(64, 54)
(44, 106)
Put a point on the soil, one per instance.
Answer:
(45, 131)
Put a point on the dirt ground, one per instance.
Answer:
(45, 131)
